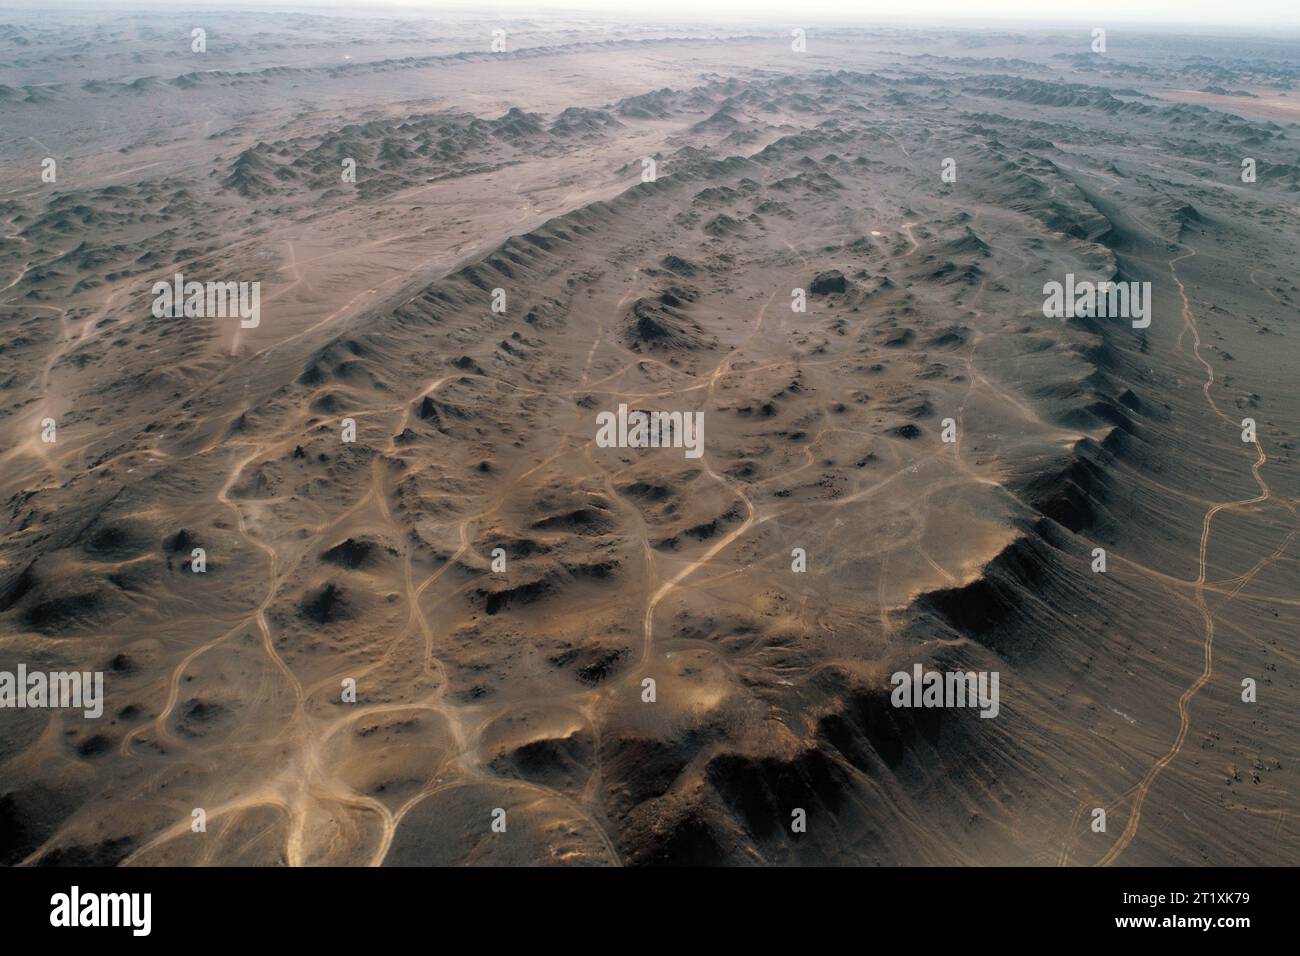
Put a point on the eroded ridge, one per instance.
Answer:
(388, 564)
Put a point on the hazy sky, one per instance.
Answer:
(1254, 16)
(1247, 15)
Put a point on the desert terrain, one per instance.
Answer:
(447, 616)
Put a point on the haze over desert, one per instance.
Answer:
(442, 437)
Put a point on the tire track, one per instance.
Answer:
(1143, 788)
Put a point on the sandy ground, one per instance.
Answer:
(905, 462)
